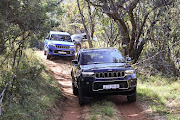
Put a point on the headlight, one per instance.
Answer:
(87, 74)
(129, 72)
(71, 46)
(52, 45)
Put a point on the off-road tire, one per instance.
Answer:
(81, 96)
(131, 98)
(44, 52)
(48, 56)
(75, 89)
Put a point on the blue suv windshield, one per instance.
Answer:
(58, 37)
(98, 57)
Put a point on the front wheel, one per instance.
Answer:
(44, 52)
(48, 56)
(75, 90)
(81, 96)
(131, 98)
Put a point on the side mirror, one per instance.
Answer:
(75, 62)
(128, 59)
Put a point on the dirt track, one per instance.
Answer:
(60, 70)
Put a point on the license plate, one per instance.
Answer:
(113, 86)
(60, 52)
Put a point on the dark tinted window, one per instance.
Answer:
(98, 57)
(61, 37)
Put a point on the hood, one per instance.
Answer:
(105, 67)
(61, 43)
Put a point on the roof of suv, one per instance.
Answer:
(60, 33)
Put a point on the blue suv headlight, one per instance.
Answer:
(52, 45)
(72, 46)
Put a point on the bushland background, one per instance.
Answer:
(145, 30)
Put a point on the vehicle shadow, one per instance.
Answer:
(62, 60)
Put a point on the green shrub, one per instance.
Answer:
(32, 93)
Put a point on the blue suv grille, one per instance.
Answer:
(115, 74)
(65, 47)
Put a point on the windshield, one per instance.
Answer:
(98, 57)
(61, 37)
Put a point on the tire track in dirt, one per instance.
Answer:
(60, 69)
(129, 111)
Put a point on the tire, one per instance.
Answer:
(44, 52)
(81, 96)
(131, 98)
(48, 56)
(75, 90)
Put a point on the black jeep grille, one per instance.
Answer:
(99, 85)
(65, 47)
(114, 74)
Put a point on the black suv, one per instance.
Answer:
(102, 71)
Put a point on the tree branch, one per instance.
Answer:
(93, 3)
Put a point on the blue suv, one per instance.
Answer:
(102, 71)
(58, 44)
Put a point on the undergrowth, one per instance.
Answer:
(162, 94)
(32, 93)
(102, 110)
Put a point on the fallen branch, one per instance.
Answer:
(2, 94)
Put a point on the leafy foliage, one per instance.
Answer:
(23, 24)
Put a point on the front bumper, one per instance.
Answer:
(53, 51)
(92, 86)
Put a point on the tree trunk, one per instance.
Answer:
(85, 27)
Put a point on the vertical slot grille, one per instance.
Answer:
(65, 47)
(115, 74)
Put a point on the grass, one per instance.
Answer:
(162, 94)
(35, 94)
(102, 110)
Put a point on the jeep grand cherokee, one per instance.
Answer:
(102, 71)
(59, 44)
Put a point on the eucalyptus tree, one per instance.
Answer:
(84, 23)
(132, 17)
